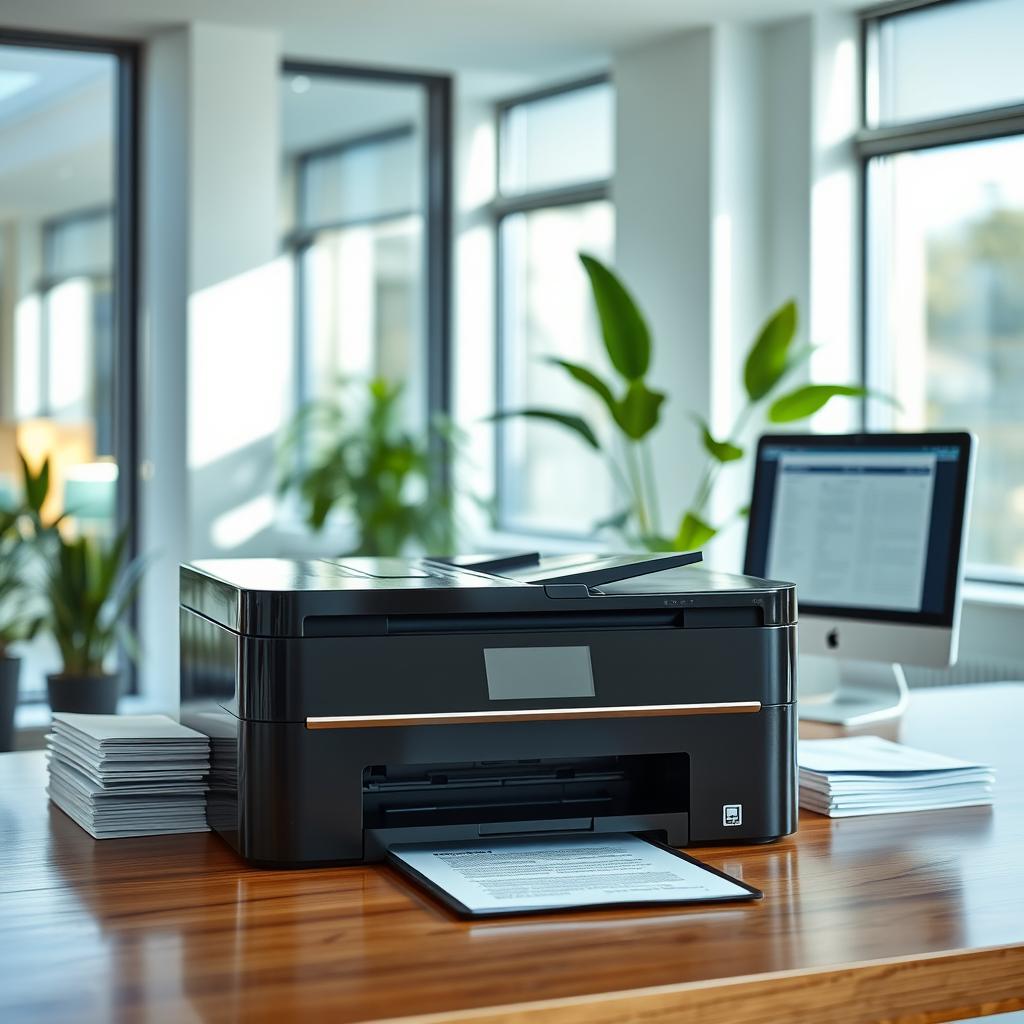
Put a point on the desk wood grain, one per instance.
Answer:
(916, 917)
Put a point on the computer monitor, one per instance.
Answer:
(871, 528)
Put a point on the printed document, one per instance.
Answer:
(520, 875)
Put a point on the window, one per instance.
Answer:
(554, 169)
(367, 181)
(360, 248)
(77, 324)
(67, 285)
(944, 285)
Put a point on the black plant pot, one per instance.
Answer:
(84, 695)
(9, 671)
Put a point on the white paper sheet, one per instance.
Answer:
(858, 755)
(856, 775)
(517, 875)
(111, 730)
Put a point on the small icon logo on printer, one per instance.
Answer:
(732, 814)
(832, 639)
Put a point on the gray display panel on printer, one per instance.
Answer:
(356, 703)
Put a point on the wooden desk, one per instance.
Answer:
(864, 919)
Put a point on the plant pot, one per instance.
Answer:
(10, 669)
(84, 695)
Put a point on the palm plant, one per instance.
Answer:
(90, 587)
(632, 411)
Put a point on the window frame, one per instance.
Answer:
(50, 280)
(301, 238)
(126, 275)
(437, 225)
(503, 207)
(909, 137)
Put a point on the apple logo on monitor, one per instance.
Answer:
(832, 639)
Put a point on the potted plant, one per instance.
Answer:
(350, 451)
(89, 591)
(19, 612)
(18, 622)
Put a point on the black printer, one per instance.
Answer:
(361, 702)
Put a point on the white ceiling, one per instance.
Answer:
(46, 74)
(485, 35)
(56, 134)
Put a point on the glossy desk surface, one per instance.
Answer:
(916, 916)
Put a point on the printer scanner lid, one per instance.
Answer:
(274, 596)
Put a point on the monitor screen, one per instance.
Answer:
(867, 525)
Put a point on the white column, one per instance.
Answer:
(835, 242)
(163, 533)
(474, 299)
(786, 82)
(688, 189)
(240, 299)
(216, 339)
(737, 284)
(811, 249)
(663, 213)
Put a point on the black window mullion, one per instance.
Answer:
(126, 275)
(437, 210)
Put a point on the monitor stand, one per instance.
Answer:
(848, 692)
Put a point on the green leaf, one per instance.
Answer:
(656, 542)
(637, 413)
(588, 379)
(693, 533)
(36, 485)
(721, 451)
(767, 358)
(627, 338)
(796, 358)
(807, 400)
(575, 423)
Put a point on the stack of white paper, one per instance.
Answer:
(870, 775)
(128, 775)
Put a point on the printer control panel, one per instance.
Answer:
(526, 673)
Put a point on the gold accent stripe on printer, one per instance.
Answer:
(739, 707)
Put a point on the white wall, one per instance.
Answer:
(213, 298)
(164, 477)
(473, 269)
(689, 191)
(240, 299)
(737, 284)
(785, 112)
(734, 190)
(834, 197)
(663, 210)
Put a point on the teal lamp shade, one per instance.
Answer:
(90, 492)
